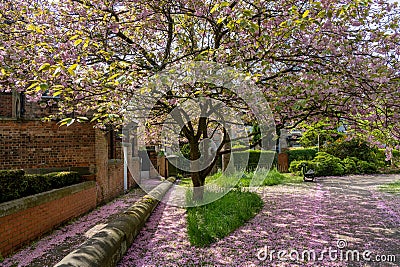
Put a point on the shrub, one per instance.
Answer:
(350, 165)
(36, 183)
(16, 184)
(61, 179)
(381, 155)
(328, 165)
(302, 154)
(355, 147)
(11, 182)
(297, 165)
(396, 153)
(366, 167)
(325, 164)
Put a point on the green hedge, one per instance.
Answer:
(16, 184)
(325, 164)
(11, 182)
(302, 154)
(251, 158)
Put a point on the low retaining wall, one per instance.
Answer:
(26, 219)
(109, 245)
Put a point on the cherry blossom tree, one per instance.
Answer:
(311, 59)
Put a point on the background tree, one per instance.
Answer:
(320, 133)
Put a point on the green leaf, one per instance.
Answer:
(43, 86)
(248, 13)
(225, 4)
(57, 93)
(72, 68)
(66, 121)
(86, 44)
(283, 24)
(78, 42)
(74, 37)
(81, 119)
(33, 85)
(113, 77)
(305, 14)
(45, 66)
(30, 27)
(214, 8)
(220, 20)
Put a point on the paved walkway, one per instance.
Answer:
(337, 214)
(50, 249)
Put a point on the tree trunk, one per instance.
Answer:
(197, 179)
(278, 140)
(198, 186)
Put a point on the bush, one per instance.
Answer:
(350, 165)
(297, 165)
(355, 147)
(16, 184)
(395, 155)
(366, 167)
(302, 154)
(36, 183)
(11, 182)
(328, 165)
(62, 179)
(325, 164)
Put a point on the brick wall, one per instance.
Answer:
(33, 110)
(6, 105)
(26, 219)
(109, 172)
(35, 144)
(115, 179)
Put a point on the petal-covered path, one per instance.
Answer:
(50, 249)
(334, 218)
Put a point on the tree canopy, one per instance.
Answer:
(311, 59)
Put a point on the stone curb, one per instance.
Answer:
(109, 245)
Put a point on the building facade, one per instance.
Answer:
(27, 142)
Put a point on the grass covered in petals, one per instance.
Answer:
(209, 223)
(393, 188)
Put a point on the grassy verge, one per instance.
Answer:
(273, 177)
(393, 188)
(209, 223)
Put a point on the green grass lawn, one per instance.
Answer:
(209, 223)
(273, 177)
(393, 188)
